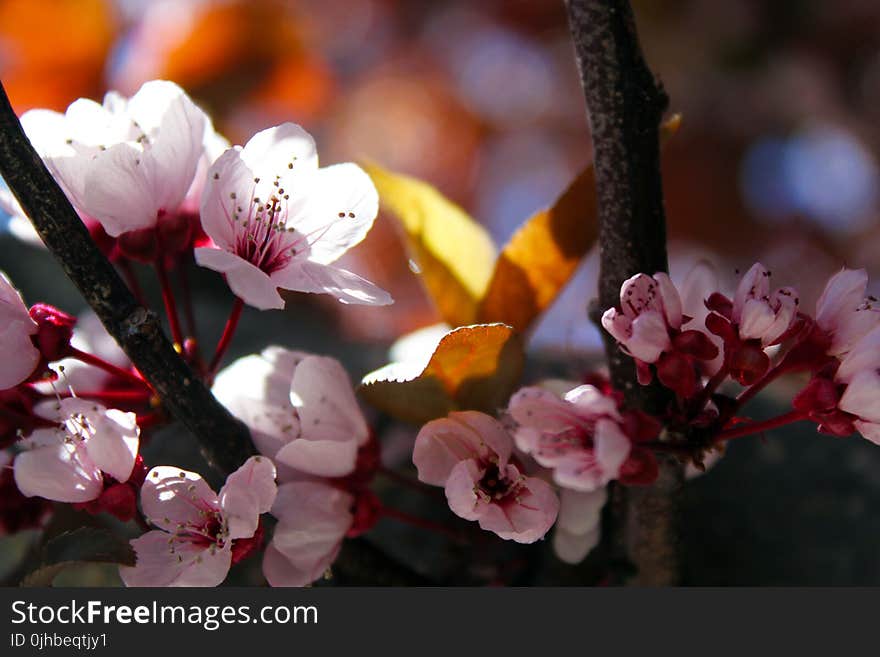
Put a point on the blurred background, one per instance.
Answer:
(777, 161)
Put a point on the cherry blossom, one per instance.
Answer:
(754, 320)
(648, 326)
(313, 518)
(127, 162)
(302, 413)
(300, 408)
(20, 355)
(583, 437)
(844, 312)
(849, 399)
(470, 454)
(278, 221)
(69, 462)
(198, 528)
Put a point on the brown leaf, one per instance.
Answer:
(472, 368)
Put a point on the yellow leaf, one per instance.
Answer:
(472, 368)
(544, 253)
(454, 254)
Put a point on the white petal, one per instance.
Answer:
(337, 212)
(172, 496)
(248, 492)
(305, 276)
(57, 473)
(247, 282)
(573, 548)
(163, 560)
(862, 396)
(114, 445)
(322, 394)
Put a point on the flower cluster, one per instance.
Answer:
(155, 184)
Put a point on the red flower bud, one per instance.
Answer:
(55, 328)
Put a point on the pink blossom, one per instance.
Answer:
(68, 463)
(127, 162)
(844, 312)
(313, 518)
(648, 326)
(20, 355)
(649, 307)
(302, 412)
(278, 221)
(301, 409)
(757, 313)
(849, 399)
(197, 527)
(698, 285)
(469, 453)
(579, 436)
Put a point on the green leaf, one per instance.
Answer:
(83, 545)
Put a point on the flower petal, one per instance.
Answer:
(338, 211)
(306, 276)
(57, 472)
(246, 281)
(164, 560)
(171, 497)
(248, 492)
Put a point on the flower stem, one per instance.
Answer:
(114, 396)
(746, 395)
(415, 521)
(226, 338)
(749, 428)
(91, 359)
(711, 385)
(170, 306)
(131, 278)
(412, 484)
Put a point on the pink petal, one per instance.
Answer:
(175, 127)
(247, 282)
(617, 324)
(248, 492)
(281, 571)
(305, 276)
(172, 496)
(442, 443)
(870, 430)
(256, 389)
(313, 518)
(865, 355)
(114, 445)
(322, 458)
(862, 396)
(57, 472)
(756, 320)
(670, 299)
(542, 410)
(612, 447)
(590, 402)
(228, 186)
(322, 394)
(754, 285)
(650, 337)
(338, 211)
(842, 295)
(164, 560)
(461, 487)
(527, 518)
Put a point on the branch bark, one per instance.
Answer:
(626, 104)
(224, 440)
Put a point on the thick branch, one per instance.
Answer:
(625, 105)
(224, 440)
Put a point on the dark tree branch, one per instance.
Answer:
(626, 104)
(224, 440)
